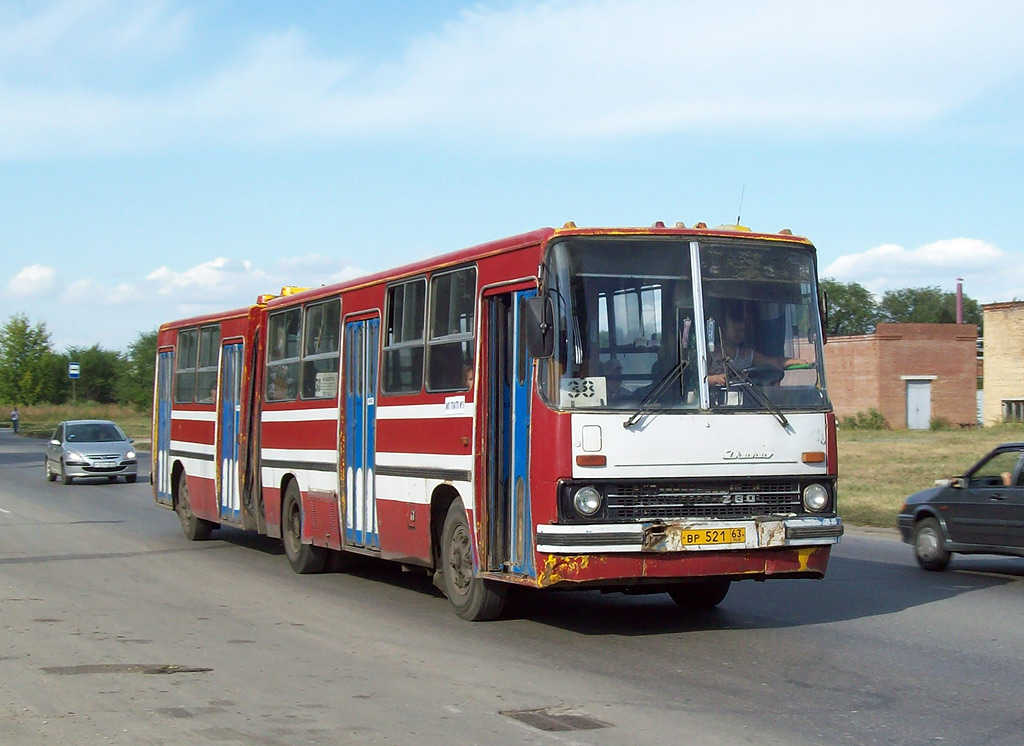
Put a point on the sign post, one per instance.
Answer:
(74, 372)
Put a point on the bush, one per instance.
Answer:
(870, 420)
(940, 423)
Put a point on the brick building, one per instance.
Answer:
(910, 373)
(1004, 356)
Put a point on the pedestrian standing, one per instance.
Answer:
(14, 419)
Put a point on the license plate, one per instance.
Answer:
(705, 536)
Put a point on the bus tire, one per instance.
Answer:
(305, 559)
(195, 528)
(474, 598)
(705, 594)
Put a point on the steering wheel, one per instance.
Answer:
(765, 375)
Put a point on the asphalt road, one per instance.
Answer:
(115, 629)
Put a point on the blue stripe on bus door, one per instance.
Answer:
(361, 340)
(520, 539)
(162, 448)
(229, 409)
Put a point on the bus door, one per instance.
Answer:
(162, 455)
(360, 375)
(509, 376)
(229, 407)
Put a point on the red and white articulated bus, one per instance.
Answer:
(632, 409)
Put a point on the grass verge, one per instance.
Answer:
(878, 469)
(40, 421)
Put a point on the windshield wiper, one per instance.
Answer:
(756, 392)
(647, 404)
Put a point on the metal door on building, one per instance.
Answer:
(360, 376)
(919, 405)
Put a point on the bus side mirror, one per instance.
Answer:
(537, 324)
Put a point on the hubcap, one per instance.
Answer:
(927, 544)
(460, 560)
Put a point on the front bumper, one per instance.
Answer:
(101, 470)
(766, 532)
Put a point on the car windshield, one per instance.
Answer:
(94, 432)
(671, 323)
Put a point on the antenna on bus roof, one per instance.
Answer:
(740, 211)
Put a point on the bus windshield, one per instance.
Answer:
(674, 323)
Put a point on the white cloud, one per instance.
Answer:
(32, 281)
(561, 69)
(990, 274)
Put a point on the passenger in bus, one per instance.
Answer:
(733, 345)
(467, 376)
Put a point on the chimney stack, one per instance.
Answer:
(959, 300)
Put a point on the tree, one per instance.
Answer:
(927, 305)
(852, 309)
(135, 386)
(100, 371)
(24, 353)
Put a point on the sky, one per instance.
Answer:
(164, 158)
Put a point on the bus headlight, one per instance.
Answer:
(815, 497)
(587, 501)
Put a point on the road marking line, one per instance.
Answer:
(4, 511)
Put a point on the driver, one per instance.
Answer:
(733, 346)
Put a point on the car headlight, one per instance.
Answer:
(587, 501)
(74, 458)
(815, 497)
(130, 454)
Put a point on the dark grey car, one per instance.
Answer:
(981, 512)
(90, 448)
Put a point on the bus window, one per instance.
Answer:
(283, 355)
(403, 340)
(450, 349)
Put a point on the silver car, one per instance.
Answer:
(90, 448)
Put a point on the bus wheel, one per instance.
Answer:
(195, 528)
(474, 598)
(706, 594)
(304, 558)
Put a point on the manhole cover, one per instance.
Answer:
(551, 719)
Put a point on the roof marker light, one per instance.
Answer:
(785, 232)
(569, 224)
(658, 224)
(701, 225)
(680, 224)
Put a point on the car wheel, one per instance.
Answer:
(304, 558)
(706, 594)
(51, 475)
(474, 598)
(195, 528)
(928, 545)
(64, 474)
(130, 478)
